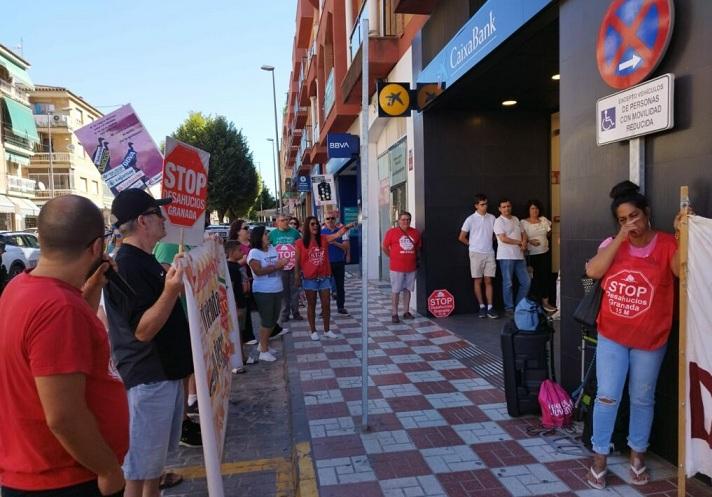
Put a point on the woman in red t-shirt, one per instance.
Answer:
(313, 270)
(636, 269)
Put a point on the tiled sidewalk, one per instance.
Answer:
(438, 424)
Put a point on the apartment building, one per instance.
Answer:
(18, 140)
(325, 97)
(60, 165)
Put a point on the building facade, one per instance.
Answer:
(19, 139)
(61, 166)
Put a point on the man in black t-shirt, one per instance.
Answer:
(150, 340)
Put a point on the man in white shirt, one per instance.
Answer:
(511, 244)
(476, 233)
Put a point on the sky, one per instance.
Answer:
(165, 57)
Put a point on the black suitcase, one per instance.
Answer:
(527, 360)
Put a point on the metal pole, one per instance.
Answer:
(276, 142)
(51, 164)
(636, 166)
(364, 224)
(276, 192)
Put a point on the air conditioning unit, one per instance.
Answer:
(57, 118)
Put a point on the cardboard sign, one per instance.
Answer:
(323, 189)
(122, 150)
(185, 180)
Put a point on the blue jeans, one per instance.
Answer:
(613, 363)
(518, 268)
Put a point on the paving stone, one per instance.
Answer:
(417, 486)
(331, 427)
(376, 369)
(471, 384)
(344, 470)
(451, 459)
(421, 419)
(323, 397)
(531, 479)
(345, 363)
(424, 376)
(375, 406)
(352, 382)
(426, 349)
(307, 358)
(403, 390)
(316, 374)
(475, 433)
(447, 364)
(496, 412)
(443, 400)
(406, 358)
(387, 441)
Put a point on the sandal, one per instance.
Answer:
(169, 480)
(639, 476)
(599, 479)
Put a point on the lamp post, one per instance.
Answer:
(276, 134)
(274, 165)
(262, 182)
(51, 165)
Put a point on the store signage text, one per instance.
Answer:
(480, 35)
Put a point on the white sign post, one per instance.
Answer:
(640, 110)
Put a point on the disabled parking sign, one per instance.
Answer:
(632, 40)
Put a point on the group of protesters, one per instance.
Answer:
(95, 353)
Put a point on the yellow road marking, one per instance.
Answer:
(284, 468)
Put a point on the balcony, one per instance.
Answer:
(62, 185)
(57, 121)
(20, 184)
(295, 137)
(329, 93)
(56, 157)
(305, 19)
(14, 92)
(10, 138)
(424, 7)
(382, 55)
(300, 115)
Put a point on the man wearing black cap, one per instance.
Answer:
(150, 340)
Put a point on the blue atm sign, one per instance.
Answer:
(303, 184)
(341, 145)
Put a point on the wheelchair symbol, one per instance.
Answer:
(608, 119)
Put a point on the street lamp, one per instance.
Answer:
(276, 133)
(274, 165)
(262, 182)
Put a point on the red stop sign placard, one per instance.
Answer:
(185, 179)
(441, 303)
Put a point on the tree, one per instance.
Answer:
(232, 176)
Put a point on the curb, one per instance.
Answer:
(303, 473)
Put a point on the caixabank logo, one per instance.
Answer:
(628, 294)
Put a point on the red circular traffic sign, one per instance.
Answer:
(441, 303)
(632, 40)
(186, 181)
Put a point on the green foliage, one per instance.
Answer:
(232, 176)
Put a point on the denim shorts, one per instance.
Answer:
(317, 284)
(155, 422)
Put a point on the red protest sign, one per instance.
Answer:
(185, 180)
(441, 303)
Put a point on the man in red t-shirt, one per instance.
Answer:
(63, 411)
(401, 245)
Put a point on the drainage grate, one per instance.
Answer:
(487, 365)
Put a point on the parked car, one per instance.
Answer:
(219, 229)
(21, 252)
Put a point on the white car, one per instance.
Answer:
(21, 251)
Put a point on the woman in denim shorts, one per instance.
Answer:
(314, 271)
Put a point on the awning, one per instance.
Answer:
(18, 73)
(22, 122)
(17, 159)
(25, 207)
(6, 207)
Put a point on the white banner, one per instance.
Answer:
(699, 348)
(212, 316)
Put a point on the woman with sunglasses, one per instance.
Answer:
(314, 270)
(294, 223)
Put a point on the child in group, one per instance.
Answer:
(240, 288)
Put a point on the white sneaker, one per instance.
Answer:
(269, 349)
(331, 334)
(252, 342)
(314, 336)
(267, 357)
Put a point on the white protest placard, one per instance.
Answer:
(212, 316)
(640, 110)
(185, 180)
(323, 189)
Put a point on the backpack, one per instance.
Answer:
(529, 316)
(556, 405)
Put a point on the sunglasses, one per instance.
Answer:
(330, 218)
(155, 211)
(313, 224)
(106, 235)
(292, 224)
(245, 228)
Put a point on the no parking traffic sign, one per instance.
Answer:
(632, 40)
